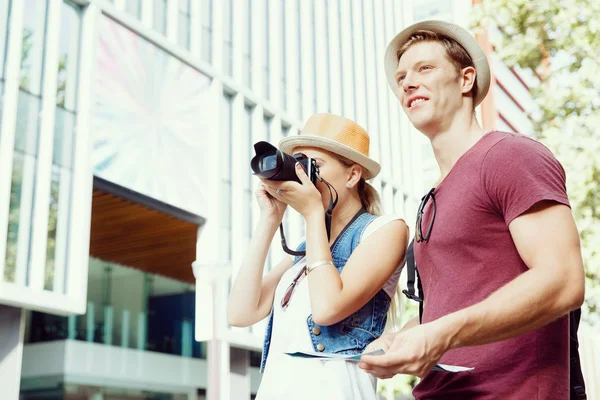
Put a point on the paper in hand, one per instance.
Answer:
(332, 356)
(356, 358)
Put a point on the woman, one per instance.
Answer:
(334, 299)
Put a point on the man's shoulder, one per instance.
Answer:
(504, 146)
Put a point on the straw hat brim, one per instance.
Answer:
(461, 35)
(371, 167)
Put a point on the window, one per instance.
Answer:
(4, 13)
(299, 56)
(267, 41)
(248, 189)
(314, 53)
(183, 24)
(228, 36)
(64, 136)
(134, 7)
(206, 18)
(340, 47)
(160, 16)
(283, 58)
(226, 174)
(248, 47)
(26, 142)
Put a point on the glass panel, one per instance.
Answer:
(156, 108)
(228, 36)
(184, 6)
(284, 56)
(4, 13)
(52, 226)
(33, 46)
(65, 120)
(226, 217)
(299, 56)
(248, 47)
(60, 186)
(160, 16)
(206, 17)
(68, 56)
(267, 41)
(183, 26)
(226, 191)
(23, 178)
(134, 7)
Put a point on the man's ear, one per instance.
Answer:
(469, 74)
(354, 176)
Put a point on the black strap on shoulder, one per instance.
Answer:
(577, 383)
(413, 276)
(412, 273)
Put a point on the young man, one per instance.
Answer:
(495, 244)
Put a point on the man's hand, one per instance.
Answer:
(383, 343)
(414, 351)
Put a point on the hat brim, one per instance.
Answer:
(370, 167)
(461, 35)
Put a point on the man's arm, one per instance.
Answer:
(548, 242)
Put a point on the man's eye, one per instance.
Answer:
(424, 67)
(401, 78)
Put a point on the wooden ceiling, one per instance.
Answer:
(139, 236)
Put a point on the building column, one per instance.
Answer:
(239, 361)
(212, 287)
(489, 114)
(12, 328)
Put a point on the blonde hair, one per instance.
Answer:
(369, 197)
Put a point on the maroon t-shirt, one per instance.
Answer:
(470, 254)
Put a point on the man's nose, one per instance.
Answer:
(409, 83)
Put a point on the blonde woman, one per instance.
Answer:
(335, 299)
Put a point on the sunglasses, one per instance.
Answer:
(420, 237)
(285, 301)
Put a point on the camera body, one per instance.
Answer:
(272, 163)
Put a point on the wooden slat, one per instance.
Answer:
(134, 235)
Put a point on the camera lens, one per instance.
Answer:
(268, 162)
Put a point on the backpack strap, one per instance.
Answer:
(577, 383)
(412, 276)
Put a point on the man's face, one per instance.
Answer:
(429, 87)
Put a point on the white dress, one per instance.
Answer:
(292, 378)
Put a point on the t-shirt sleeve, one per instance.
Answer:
(378, 223)
(519, 172)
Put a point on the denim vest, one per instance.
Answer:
(353, 334)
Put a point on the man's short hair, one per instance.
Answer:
(457, 55)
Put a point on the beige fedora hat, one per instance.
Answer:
(338, 135)
(453, 31)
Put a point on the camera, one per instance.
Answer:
(272, 163)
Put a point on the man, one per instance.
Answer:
(496, 246)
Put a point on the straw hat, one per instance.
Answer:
(453, 31)
(338, 135)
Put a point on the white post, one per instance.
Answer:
(12, 328)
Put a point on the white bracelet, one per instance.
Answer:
(317, 265)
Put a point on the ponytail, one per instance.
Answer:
(369, 198)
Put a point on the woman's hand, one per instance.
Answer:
(303, 197)
(271, 208)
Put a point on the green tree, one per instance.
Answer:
(560, 41)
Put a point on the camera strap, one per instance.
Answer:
(328, 216)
